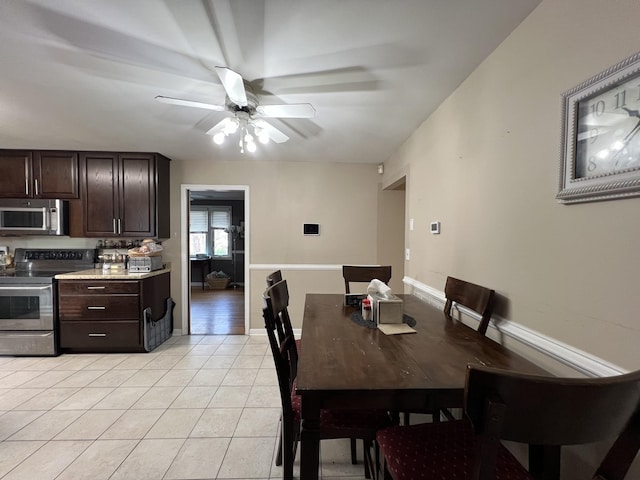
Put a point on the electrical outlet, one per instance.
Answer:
(407, 254)
(411, 224)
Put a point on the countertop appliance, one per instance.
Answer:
(34, 217)
(28, 298)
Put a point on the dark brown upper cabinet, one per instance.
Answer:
(123, 195)
(38, 174)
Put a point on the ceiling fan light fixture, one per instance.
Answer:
(231, 126)
(218, 138)
(263, 138)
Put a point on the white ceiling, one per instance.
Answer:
(83, 74)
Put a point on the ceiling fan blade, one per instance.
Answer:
(296, 110)
(218, 127)
(233, 84)
(274, 134)
(190, 103)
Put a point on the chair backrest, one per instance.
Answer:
(477, 298)
(281, 340)
(552, 411)
(274, 278)
(365, 273)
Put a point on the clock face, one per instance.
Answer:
(608, 130)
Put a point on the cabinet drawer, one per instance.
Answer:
(100, 336)
(85, 287)
(99, 307)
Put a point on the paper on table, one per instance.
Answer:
(395, 328)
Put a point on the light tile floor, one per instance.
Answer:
(197, 407)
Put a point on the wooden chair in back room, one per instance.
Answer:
(364, 273)
(542, 412)
(353, 424)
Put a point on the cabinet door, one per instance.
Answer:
(55, 174)
(137, 195)
(15, 174)
(99, 188)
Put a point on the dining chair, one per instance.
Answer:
(365, 273)
(352, 424)
(543, 412)
(274, 277)
(477, 298)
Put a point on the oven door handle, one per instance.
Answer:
(25, 287)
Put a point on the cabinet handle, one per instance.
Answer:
(119, 227)
(37, 190)
(97, 334)
(26, 186)
(96, 308)
(114, 226)
(96, 288)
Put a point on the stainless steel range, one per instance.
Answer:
(28, 299)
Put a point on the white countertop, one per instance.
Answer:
(112, 274)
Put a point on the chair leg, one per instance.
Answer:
(279, 454)
(354, 457)
(435, 416)
(406, 416)
(288, 446)
(384, 472)
(369, 467)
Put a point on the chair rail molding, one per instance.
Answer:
(294, 266)
(579, 360)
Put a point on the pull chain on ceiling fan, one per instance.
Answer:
(247, 113)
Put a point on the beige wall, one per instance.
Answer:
(342, 198)
(486, 165)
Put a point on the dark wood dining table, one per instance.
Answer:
(346, 365)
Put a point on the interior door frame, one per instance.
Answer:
(185, 264)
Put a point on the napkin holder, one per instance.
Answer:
(386, 308)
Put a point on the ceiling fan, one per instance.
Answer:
(247, 112)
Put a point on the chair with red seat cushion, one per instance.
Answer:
(353, 424)
(475, 297)
(543, 412)
(274, 277)
(478, 298)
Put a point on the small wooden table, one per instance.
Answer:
(201, 263)
(345, 365)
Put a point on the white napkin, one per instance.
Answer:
(380, 288)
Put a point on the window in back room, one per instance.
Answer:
(209, 231)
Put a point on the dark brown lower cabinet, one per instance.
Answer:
(107, 315)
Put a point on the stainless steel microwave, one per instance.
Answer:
(34, 217)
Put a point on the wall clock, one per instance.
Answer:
(601, 136)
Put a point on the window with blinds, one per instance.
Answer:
(220, 218)
(209, 231)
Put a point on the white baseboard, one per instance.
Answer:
(572, 357)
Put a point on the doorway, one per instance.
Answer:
(391, 231)
(215, 258)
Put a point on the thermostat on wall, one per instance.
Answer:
(435, 228)
(311, 229)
